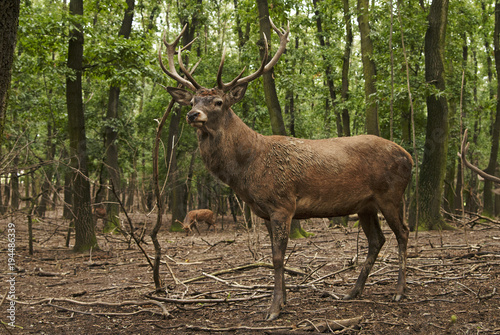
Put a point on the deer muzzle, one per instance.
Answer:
(196, 118)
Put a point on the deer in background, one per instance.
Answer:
(199, 215)
(282, 178)
(100, 213)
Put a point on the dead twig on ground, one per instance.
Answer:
(208, 301)
(331, 274)
(49, 301)
(331, 325)
(245, 267)
(320, 327)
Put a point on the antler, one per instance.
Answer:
(283, 35)
(463, 155)
(172, 72)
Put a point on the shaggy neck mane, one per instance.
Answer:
(229, 149)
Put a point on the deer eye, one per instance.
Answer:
(218, 103)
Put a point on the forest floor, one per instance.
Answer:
(453, 277)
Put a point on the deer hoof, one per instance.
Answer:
(397, 297)
(272, 316)
(351, 295)
(347, 297)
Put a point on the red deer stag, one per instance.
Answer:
(199, 215)
(282, 178)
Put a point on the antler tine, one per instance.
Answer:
(261, 69)
(220, 84)
(172, 72)
(233, 82)
(283, 35)
(186, 72)
(191, 71)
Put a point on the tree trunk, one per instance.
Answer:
(369, 70)
(272, 102)
(112, 118)
(178, 201)
(9, 21)
(436, 144)
(271, 96)
(346, 123)
(47, 174)
(68, 187)
(488, 196)
(132, 187)
(177, 205)
(328, 73)
(85, 238)
(14, 183)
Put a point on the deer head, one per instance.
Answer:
(209, 105)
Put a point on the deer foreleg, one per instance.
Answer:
(195, 225)
(278, 228)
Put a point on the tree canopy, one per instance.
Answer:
(309, 80)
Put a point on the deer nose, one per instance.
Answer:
(191, 116)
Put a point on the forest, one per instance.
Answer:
(82, 97)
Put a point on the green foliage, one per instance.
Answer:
(37, 98)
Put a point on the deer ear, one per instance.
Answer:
(237, 93)
(180, 95)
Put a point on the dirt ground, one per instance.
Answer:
(453, 278)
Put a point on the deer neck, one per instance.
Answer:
(229, 149)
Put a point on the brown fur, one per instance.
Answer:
(282, 178)
(193, 217)
(100, 213)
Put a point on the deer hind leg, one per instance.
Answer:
(369, 222)
(278, 228)
(394, 218)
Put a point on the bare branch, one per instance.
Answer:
(463, 155)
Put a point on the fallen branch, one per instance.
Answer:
(245, 267)
(103, 313)
(487, 296)
(232, 329)
(483, 217)
(207, 301)
(331, 275)
(39, 272)
(332, 325)
(49, 302)
(322, 326)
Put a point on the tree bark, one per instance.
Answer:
(178, 199)
(488, 196)
(328, 73)
(271, 96)
(177, 204)
(85, 238)
(48, 173)
(436, 144)
(112, 118)
(272, 101)
(369, 70)
(9, 21)
(346, 123)
(14, 183)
